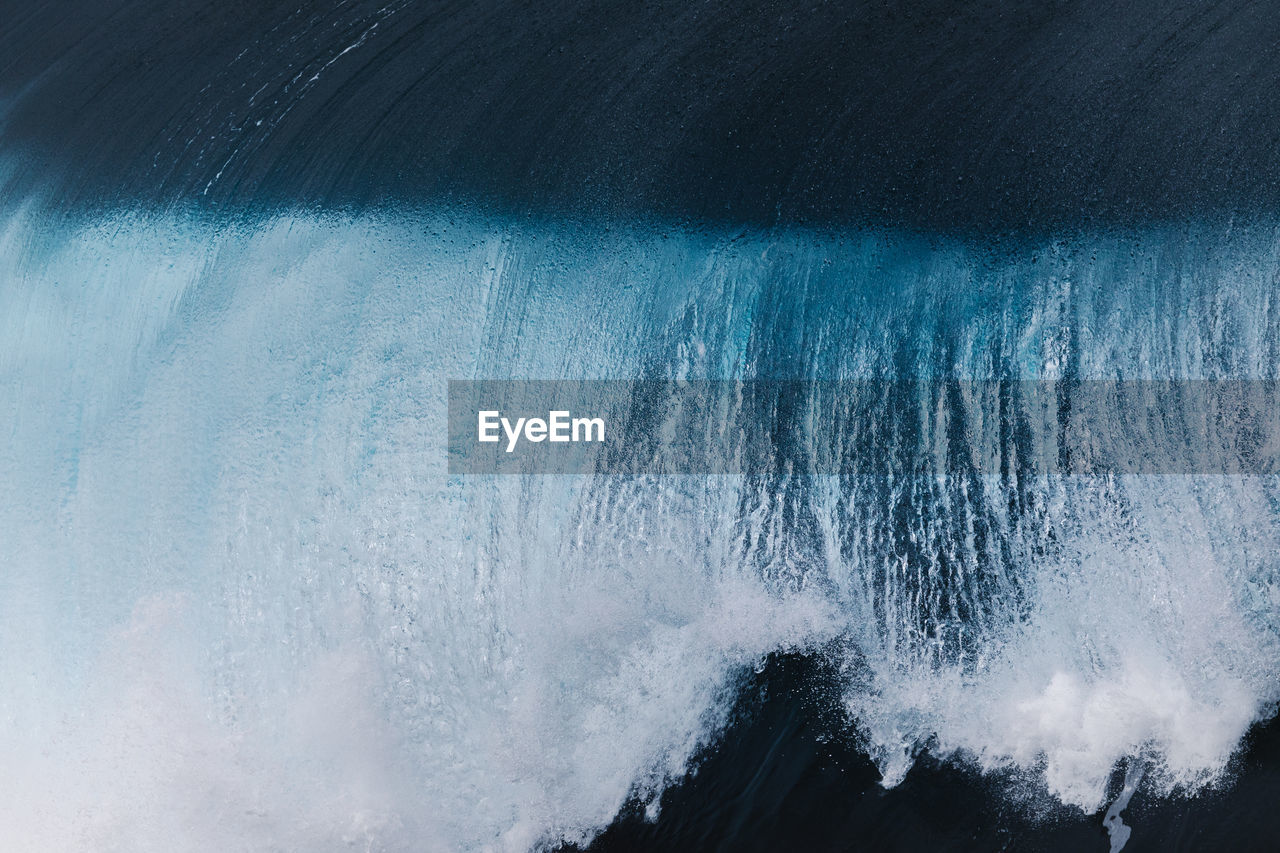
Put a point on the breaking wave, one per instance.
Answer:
(244, 604)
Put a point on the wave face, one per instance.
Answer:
(243, 605)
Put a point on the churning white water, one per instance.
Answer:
(244, 606)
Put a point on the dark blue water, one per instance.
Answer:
(788, 774)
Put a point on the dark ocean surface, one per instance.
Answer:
(969, 116)
(788, 774)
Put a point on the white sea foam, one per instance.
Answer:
(243, 604)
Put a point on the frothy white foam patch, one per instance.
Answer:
(1140, 642)
(633, 704)
(1113, 819)
(152, 757)
(149, 757)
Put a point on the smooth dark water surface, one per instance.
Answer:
(971, 116)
